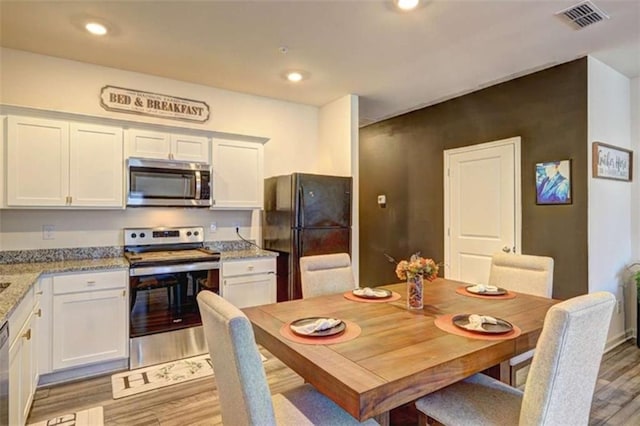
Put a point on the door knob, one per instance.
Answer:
(506, 249)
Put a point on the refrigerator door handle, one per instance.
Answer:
(300, 244)
(301, 206)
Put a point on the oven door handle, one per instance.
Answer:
(168, 269)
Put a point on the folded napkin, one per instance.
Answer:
(318, 325)
(476, 321)
(369, 292)
(482, 288)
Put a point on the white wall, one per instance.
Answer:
(631, 305)
(609, 118)
(338, 155)
(48, 83)
(335, 134)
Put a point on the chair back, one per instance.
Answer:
(326, 274)
(243, 391)
(565, 367)
(522, 273)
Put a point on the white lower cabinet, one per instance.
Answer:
(90, 318)
(23, 360)
(249, 282)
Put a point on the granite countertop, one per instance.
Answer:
(21, 276)
(246, 254)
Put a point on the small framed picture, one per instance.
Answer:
(611, 162)
(553, 182)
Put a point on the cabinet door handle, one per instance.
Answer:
(27, 334)
(39, 312)
(124, 293)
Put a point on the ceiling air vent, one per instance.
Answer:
(583, 14)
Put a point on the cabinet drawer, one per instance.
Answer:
(245, 267)
(20, 315)
(75, 283)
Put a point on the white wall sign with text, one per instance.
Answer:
(612, 162)
(154, 104)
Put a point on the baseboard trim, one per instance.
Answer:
(617, 340)
(82, 373)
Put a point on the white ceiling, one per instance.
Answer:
(394, 61)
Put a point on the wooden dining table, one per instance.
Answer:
(400, 354)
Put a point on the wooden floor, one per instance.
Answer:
(616, 401)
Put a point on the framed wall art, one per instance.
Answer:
(553, 182)
(612, 162)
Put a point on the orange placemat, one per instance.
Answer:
(445, 323)
(463, 291)
(352, 331)
(349, 295)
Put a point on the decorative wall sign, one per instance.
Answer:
(154, 104)
(553, 182)
(611, 162)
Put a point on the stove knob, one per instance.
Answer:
(196, 233)
(188, 233)
(142, 235)
(133, 235)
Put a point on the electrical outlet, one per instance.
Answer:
(48, 232)
(213, 227)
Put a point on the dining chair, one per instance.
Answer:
(326, 274)
(561, 382)
(525, 274)
(243, 391)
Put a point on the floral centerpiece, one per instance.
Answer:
(414, 271)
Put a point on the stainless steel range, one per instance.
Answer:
(168, 267)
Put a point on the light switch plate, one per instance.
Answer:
(48, 232)
(382, 199)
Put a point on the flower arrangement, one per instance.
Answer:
(417, 265)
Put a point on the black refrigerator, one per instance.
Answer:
(305, 215)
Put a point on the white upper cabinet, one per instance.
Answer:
(167, 146)
(96, 166)
(37, 162)
(190, 148)
(237, 174)
(57, 163)
(3, 144)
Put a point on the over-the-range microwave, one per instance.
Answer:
(168, 183)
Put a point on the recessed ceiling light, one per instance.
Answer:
(96, 28)
(296, 76)
(407, 4)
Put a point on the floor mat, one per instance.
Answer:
(91, 417)
(157, 376)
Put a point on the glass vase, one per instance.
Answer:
(415, 286)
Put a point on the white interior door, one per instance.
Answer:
(482, 207)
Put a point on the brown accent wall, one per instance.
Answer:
(402, 157)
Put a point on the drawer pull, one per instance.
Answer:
(27, 334)
(91, 283)
(250, 268)
(38, 293)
